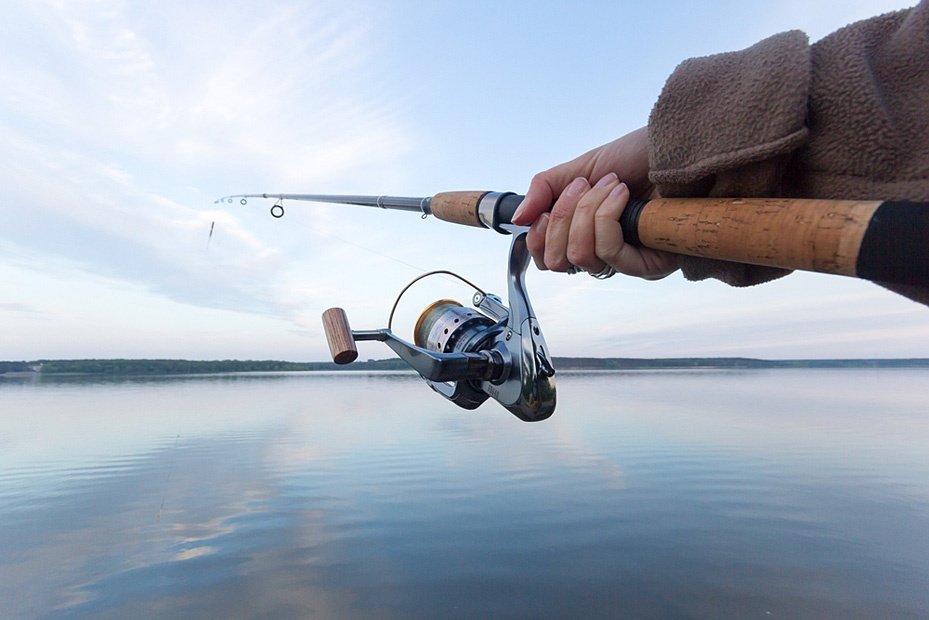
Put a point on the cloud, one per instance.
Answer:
(123, 122)
(19, 308)
(845, 318)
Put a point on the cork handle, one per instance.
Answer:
(339, 336)
(457, 207)
(815, 235)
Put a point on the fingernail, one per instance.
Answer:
(607, 179)
(577, 186)
(618, 190)
(518, 211)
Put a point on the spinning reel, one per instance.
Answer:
(471, 354)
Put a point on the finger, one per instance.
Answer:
(559, 225)
(538, 200)
(535, 241)
(543, 190)
(609, 243)
(581, 249)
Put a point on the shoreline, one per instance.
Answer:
(166, 367)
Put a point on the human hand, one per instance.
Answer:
(583, 228)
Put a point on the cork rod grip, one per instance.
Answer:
(882, 241)
(458, 207)
(813, 235)
(339, 336)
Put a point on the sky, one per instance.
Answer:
(121, 123)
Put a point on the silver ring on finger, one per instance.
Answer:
(603, 274)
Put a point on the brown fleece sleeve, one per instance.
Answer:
(869, 117)
(845, 118)
(724, 126)
(869, 112)
(725, 111)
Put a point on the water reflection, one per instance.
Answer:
(682, 494)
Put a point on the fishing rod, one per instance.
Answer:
(881, 241)
(493, 350)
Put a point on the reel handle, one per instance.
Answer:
(339, 336)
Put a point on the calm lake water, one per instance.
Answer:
(648, 494)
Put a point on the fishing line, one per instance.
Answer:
(277, 212)
(168, 477)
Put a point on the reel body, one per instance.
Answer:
(471, 354)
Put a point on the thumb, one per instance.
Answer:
(544, 188)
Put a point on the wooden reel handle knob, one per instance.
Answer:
(339, 336)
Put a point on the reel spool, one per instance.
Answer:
(446, 326)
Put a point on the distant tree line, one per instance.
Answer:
(127, 367)
(184, 367)
(15, 366)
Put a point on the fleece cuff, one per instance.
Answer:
(729, 110)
